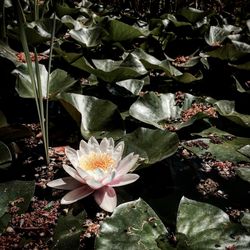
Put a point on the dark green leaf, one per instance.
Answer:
(133, 225)
(89, 37)
(68, 230)
(151, 145)
(119, 31)
(59, 80)
(227, 109)
(244, 173)
(112, 71)
(5, 157)
(225, 150)
(160, 110)
(13, 190)
(207, 227)
(98, 117)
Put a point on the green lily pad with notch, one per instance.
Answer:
(112, 71)
(134, 85)
(152, 145)
(151, 62)
(88, 37)
(186, 77)
(68, 230)
(192, 15)
(96, 117)
(160, 110)
(226, 150)
(227, 109)
(59, 80)
(208, 227)
(37, 32)
(133, 225)
(119, 31)
(228, 52)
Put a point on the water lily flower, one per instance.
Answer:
(97, 168)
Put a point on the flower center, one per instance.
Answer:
(96, 160)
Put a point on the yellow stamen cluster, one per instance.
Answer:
(93, 161)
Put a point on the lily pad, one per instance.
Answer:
(89, 37)
(162, 111)
(134, 85)
(37, 32)
(244, 173)
(208, 227)
(68, 230)
(227, 109)
(137, 226)
(59, 80)
(152, 145)
(5, 157)
(13, 190)
(113, 71)
(224, 149)
(228, 52)
(119, 31)
(96, 117)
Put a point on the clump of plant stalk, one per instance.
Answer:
(36, 80)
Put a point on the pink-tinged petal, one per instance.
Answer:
(93, 145)
(126, 164)
(83, 149)
(72, 156)
(106, 198)
(66, 183)
(124, 180)
(72, 172)
(76, 194)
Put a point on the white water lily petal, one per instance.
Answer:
(124, 180)
(93, 183)
(118, 151)
(66, 183)
(72, 156)
(104, 145)
(109, 178)
(93, 145)
(76, 194)
(106, 198)
(126, 164)
(83, 148)
(83, 174)
(72, 172)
